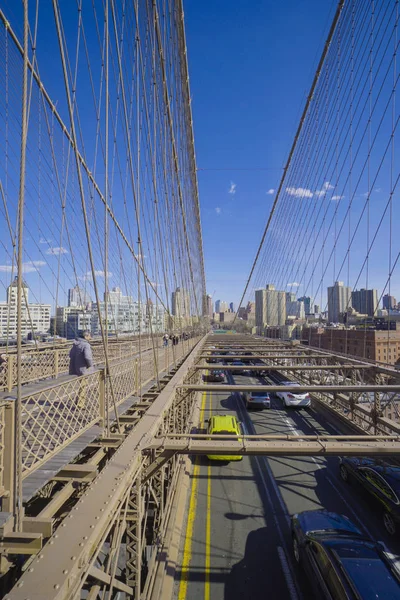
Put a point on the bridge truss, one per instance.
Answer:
(114, 534)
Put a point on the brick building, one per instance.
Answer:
(379, 346)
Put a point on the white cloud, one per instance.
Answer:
(337, 197)
(57, 251)
(140, 256)
(294, 284)
(366, 194)
(271, 191)
(325, 188)
(88, 275)
(232, 189)
(27, 267)
(218, 210)
(44, 241)
(299, 192)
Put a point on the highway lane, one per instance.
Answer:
(240, 545)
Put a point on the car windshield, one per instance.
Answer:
(367, 573)
(259, 394)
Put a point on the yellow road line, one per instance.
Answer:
(208, 528)
(187, 549)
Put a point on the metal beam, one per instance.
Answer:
(285, 367)
(299, 446)
(263, 355)
(62, 567)
(286, 388)
(156, 465)
(100, 575)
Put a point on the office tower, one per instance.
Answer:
(78, 297)
(307, 304)
(270, 307)
(365, 301)
(180, 303)
(35, 316)
(339, 300)
(388, 302)
(221, 306)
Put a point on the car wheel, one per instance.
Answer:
(389, 523)
(344, 474)
(296, 550)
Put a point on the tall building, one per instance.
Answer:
(35, 316)
(388, 302)
(290, 297)
(78, 297)
(221, 306)
(270, 307)
(339, 300)
(180, 303)
(317, 309)
(154, 315)
(231, 307)
(365, 301)
(295, 309)
(123, 314)
(307, 304)
(70, 320)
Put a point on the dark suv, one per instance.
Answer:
(341, 563)
(381, 481)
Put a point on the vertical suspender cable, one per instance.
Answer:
(82, 194)
(106, 196)
(296, 137)
(18, 509)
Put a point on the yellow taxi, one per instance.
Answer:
(224, 425)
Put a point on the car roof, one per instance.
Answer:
(323, 520)
(224, 422)
(366, 568)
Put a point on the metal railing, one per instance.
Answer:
(57, 413)
(45, 364)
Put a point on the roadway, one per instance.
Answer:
(236, 544)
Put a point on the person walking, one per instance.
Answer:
(166, 338)
(81, 362)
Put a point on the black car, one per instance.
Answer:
(341, 563)
(215, 376)
(212, 360)
(381, 481)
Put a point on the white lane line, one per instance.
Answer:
(270, 474)
(361, 522)
(287, 573)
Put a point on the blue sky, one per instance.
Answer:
(250, 71)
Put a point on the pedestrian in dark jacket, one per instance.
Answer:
(80, 356)
(81, 363)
